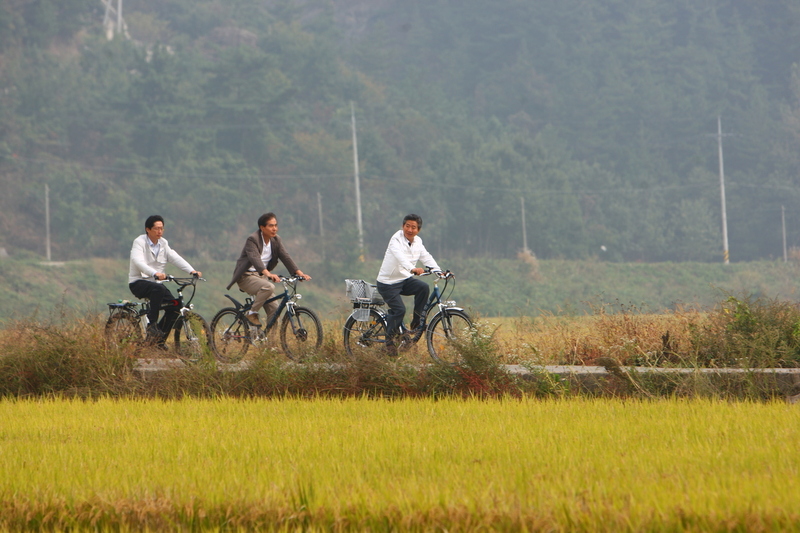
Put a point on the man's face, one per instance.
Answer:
(410, 230)
(270, 230)
(156, 231)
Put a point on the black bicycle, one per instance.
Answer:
(446, 333)
(300, 332)
(127, 323)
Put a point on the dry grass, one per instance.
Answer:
(628, 337)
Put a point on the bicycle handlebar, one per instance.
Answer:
(185, 281)
(442, 274)
(291, 279)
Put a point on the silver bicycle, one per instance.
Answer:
(127, 323)
(446, 333)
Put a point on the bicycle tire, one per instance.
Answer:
(191, 337)
(447, 335)
(305, 341)
(229, 335)
(365, 337)
(122, 329)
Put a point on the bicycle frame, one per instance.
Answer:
(288, 299)
(434, 301)
(139, 310)
(300, 330)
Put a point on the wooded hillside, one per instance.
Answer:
(600, 116)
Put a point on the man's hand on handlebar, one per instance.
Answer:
(427, 271)
(270, 276)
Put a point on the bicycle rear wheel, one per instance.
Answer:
(122, 329)
(448, 334)
(191, 337)
(301, 335)
(365, 337)
(230, 336)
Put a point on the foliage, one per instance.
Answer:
(750, 332)
(598, 118)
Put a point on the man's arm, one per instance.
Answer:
(254, 254)
(175, 258)
(427, 259)
(279, 252)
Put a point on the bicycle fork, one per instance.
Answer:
(294, 319)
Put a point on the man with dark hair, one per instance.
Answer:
(253, 272)
(396, 277)
(150, 254)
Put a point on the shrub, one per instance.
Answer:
(749, 333)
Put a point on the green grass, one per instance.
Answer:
(488, 288)
(354, 464)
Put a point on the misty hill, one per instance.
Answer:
(597, 117)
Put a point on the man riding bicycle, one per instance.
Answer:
(396, 277)
(150, 254)
(253, 272)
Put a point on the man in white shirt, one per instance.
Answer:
(253, 272)
(396, 277)
(150, 254)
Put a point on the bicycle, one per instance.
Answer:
(127, 323)
(446, 333)
(300, 331)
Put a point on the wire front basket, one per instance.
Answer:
(362, 293)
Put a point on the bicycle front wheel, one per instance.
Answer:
(230, 336)
(448, 334)
(366, 337)
(122, 329)
(191, 337)
(301, 334)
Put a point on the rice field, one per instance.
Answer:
(412, 464)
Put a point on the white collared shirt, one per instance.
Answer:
(147, 260)
(401, 256)
(266, 253)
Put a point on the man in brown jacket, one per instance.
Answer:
(253, 272)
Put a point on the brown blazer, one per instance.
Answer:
(251, 256)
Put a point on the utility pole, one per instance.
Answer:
(524, 232)
(111, 26)
(47, 219)
(319, 211)
(321, 230)
(358, 186)
(725, 251)
(783, 226)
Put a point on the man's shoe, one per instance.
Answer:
(253, 319)
(154, 336)
(391, 349)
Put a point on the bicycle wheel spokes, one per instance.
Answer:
(191, 337)
(365, 337)
(448, 334)
(122, 329)
(301, 335)
(230, 336)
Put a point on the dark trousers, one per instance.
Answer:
(157, 293)
(392, 295)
